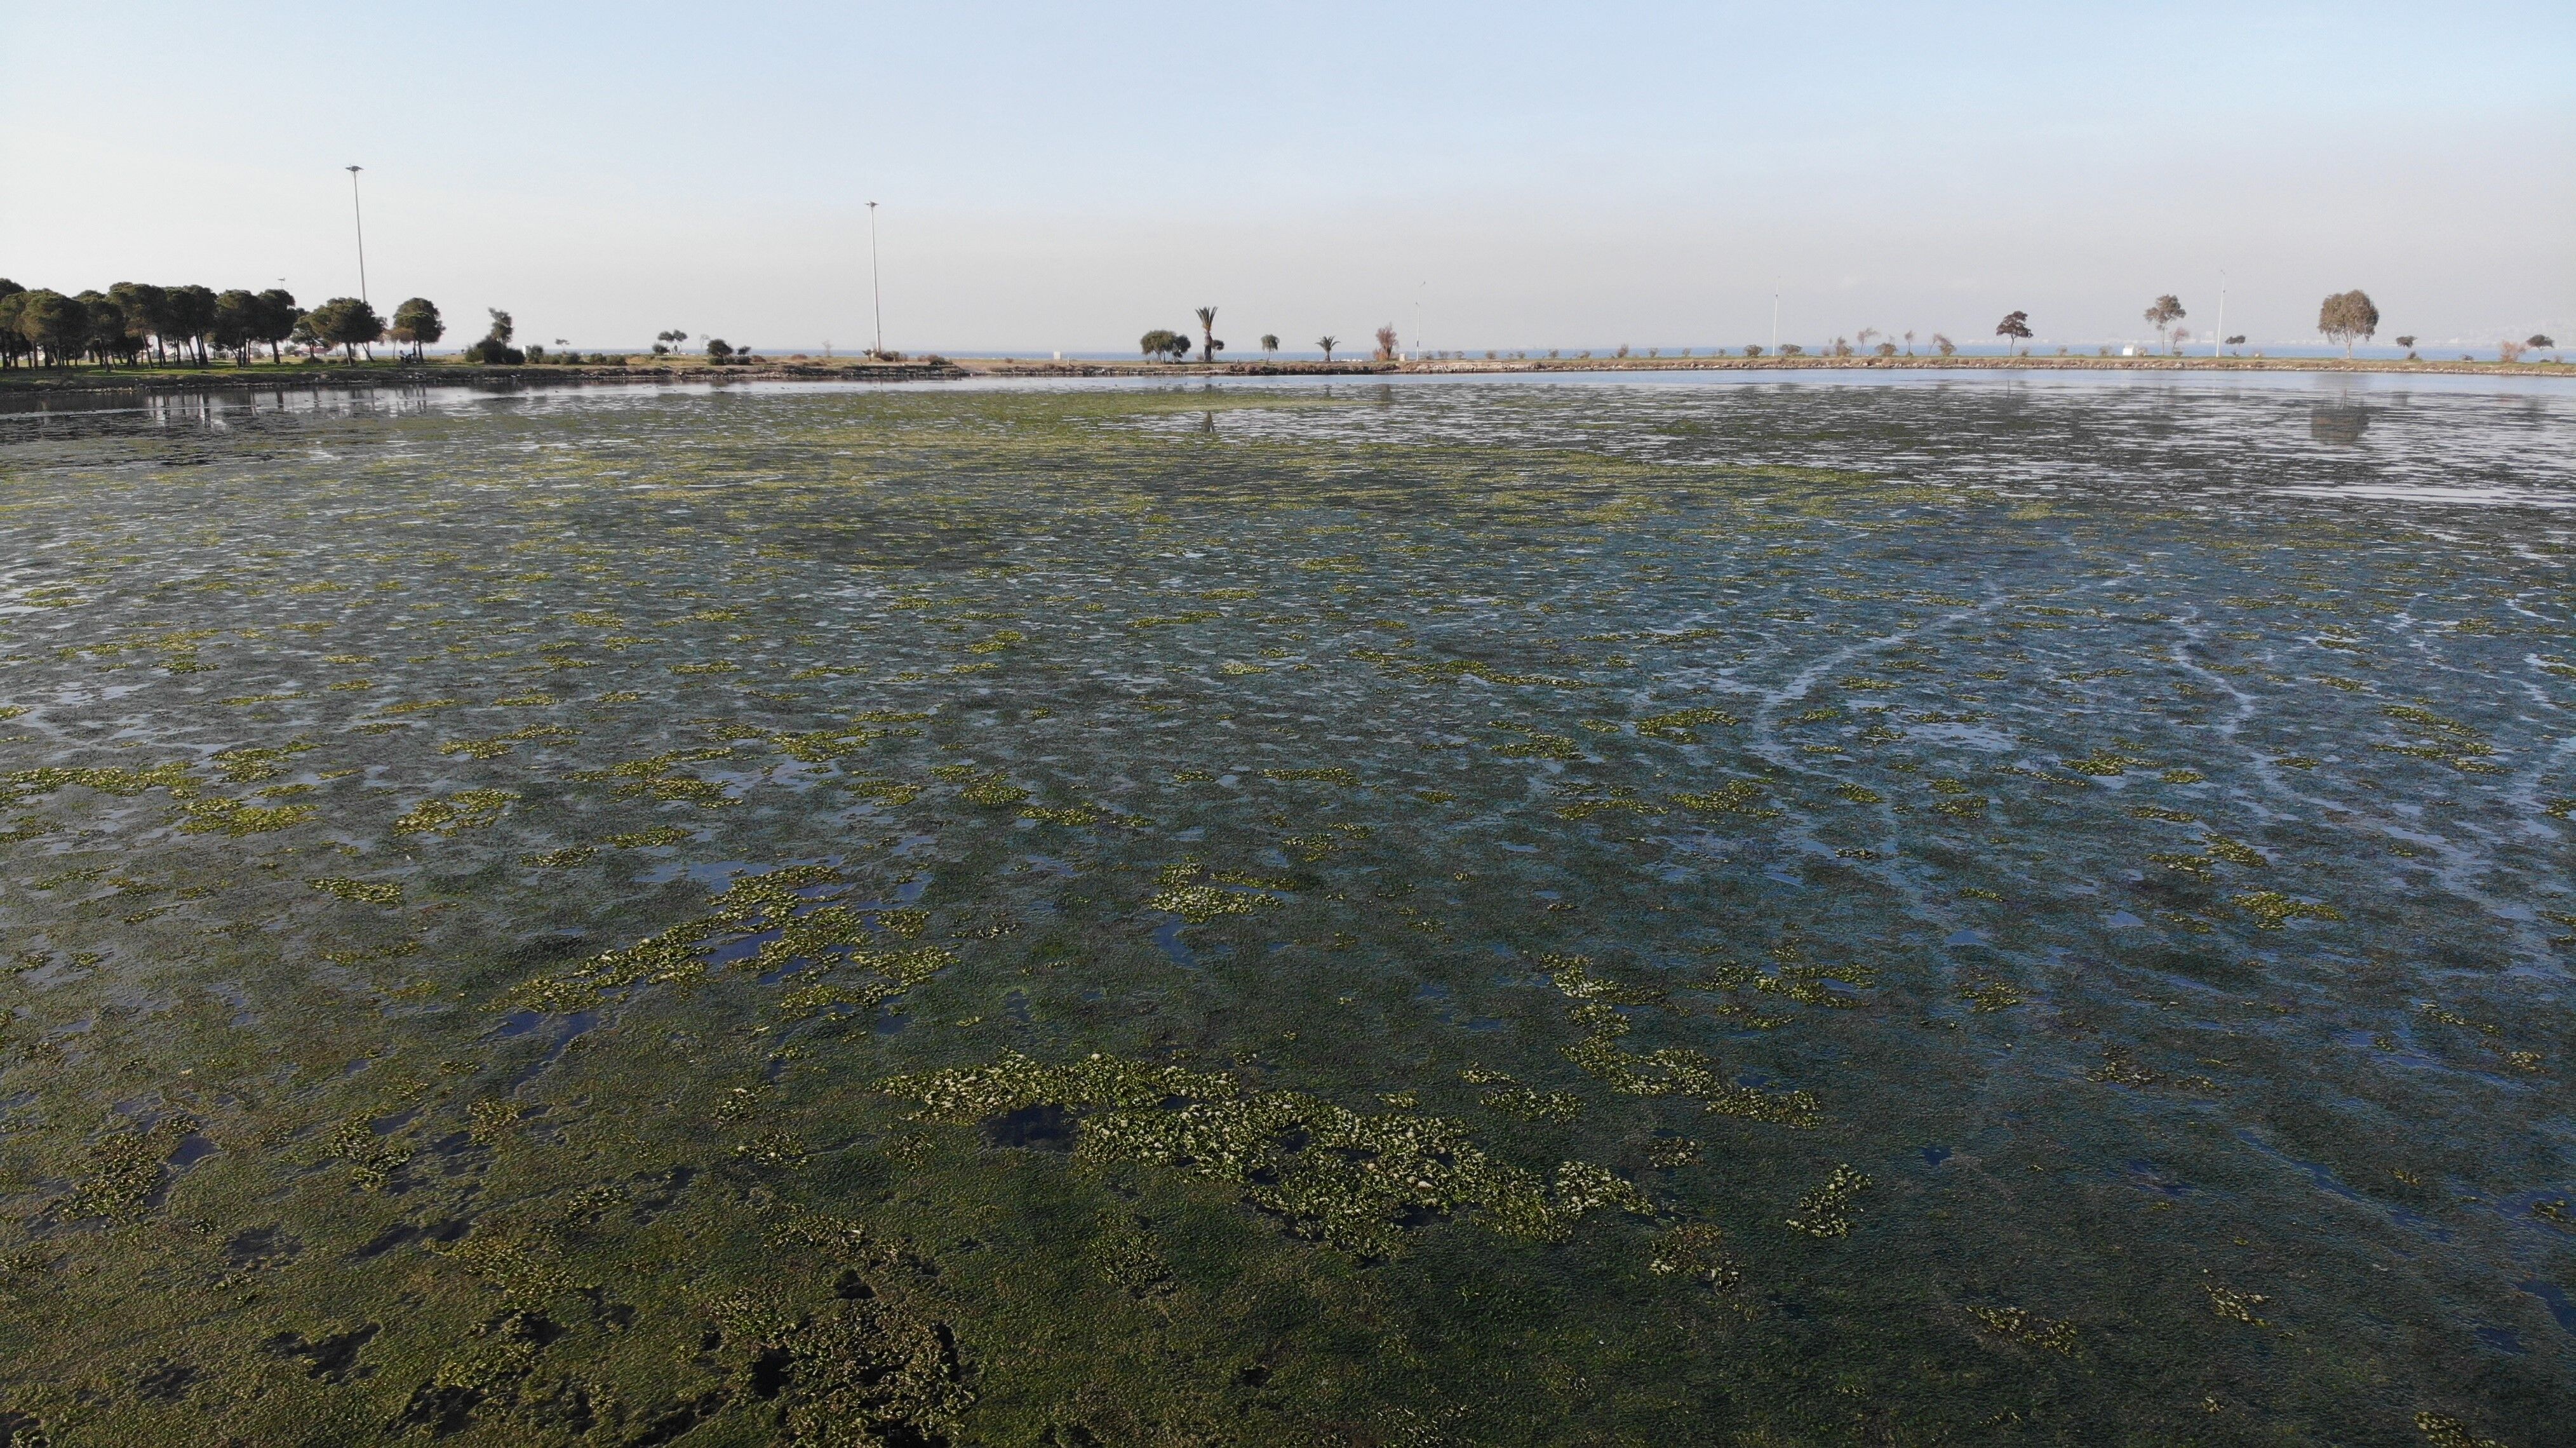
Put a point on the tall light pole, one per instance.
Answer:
(1775, 319)
(876, 286)
(2220, 347)
(359, 215)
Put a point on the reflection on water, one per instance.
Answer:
(1432, 912)
(2339, 425)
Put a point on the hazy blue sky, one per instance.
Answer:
(1066, 176)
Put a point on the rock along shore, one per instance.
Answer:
(1018, 367)
(437, 374)
(24, 381)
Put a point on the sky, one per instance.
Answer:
(1483, 175)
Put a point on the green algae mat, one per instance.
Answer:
(1443, 914)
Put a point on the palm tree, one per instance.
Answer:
(1328, 344)
(1207, 334)
(1269, 343)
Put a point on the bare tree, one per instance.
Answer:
(1386, 343)
(2348, 317)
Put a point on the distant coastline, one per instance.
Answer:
(1015, 366)
(32, 381)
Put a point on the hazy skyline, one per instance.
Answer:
(1063, 177)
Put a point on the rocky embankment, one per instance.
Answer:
(438, 374)
(24, 380)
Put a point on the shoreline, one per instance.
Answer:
(1022, 367)
(21, 382)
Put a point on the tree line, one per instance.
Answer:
(1176, 346)
(2346, 317)
(2349, 318)
(40, 327)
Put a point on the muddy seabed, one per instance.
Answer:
(1962, 911)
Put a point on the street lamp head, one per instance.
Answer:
(356, 168)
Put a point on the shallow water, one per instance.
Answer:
(1491, 911)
